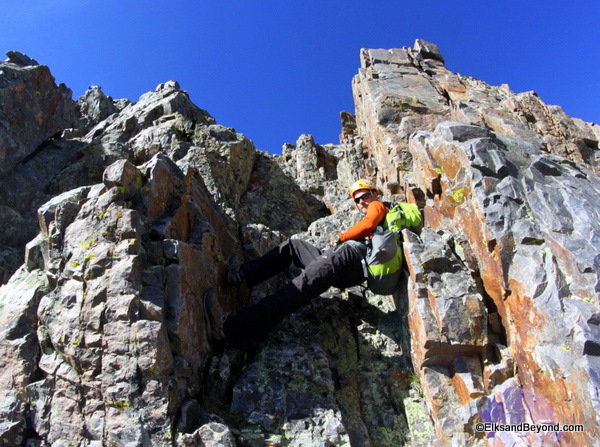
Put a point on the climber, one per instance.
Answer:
(341, 266)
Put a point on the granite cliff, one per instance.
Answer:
(125, 212)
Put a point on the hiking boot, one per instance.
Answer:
(235, 274)
(214, 316)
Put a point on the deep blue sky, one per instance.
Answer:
(276, 69)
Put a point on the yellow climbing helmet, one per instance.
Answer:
(361, 184)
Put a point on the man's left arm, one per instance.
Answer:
(376, 211)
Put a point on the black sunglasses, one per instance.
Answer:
(362, 196)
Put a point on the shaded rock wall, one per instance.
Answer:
(101, 330)
(34, 108)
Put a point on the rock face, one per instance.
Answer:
(508, 210)
(498, 184)
(137, 205)
(400, 91)
(86, 139)
(33, 108)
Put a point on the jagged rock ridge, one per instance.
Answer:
(102, 337)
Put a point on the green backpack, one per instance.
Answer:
(384, 254)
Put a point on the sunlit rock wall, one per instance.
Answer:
(510, 187)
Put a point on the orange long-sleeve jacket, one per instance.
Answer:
(376, 211)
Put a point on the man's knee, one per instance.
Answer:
(297, 244)
(303, 253)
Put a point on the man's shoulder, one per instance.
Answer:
(377, 208)
(379, 205)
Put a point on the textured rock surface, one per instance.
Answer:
(510, 187)
(33, 108)
(137, 205)
(534, 246)
(402, 90)
(162, 121)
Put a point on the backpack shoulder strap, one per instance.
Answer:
(402, 215)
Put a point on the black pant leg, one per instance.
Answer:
(279, 259)
(340, 268)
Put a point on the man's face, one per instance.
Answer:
(362, 199)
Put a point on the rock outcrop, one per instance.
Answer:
(88, 136)
(400, 91)
(34, 108)
(511, 185)
(137, 205)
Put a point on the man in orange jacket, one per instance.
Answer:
(340, 267)
(365, 195)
